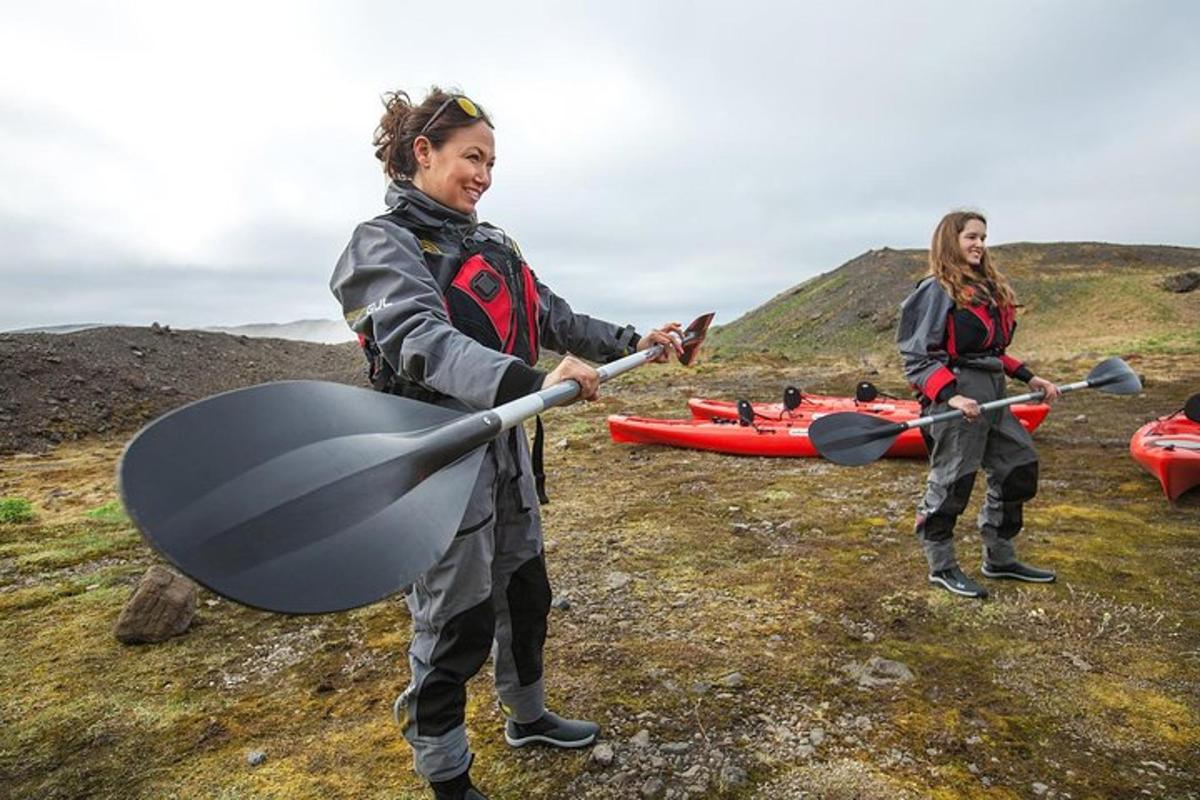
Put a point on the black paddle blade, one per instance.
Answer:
(1114, 376)
(693, 337)
(301, 496)
(852, 439)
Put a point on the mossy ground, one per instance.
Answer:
(786, 571)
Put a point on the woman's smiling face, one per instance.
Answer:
(460, 171)
(973, 242)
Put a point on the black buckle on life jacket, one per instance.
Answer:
(485, 286)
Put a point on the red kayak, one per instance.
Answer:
(1030, 415)
(1169, 449)
(780, 438)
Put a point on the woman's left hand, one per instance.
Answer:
(1043, 385)
(663, 336)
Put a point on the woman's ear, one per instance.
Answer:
(422, 150)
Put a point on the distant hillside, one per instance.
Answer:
(325, 331)
(73, 328)
(1077, 297)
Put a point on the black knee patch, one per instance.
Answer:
(938, 526)
(528, 598)
(1020, 484)
(1012, 519)
(959, 495)
(462, 647)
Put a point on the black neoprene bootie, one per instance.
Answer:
(553, 730)
(956, 581)
(1018, 572)
(457, 788)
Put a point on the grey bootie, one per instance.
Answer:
(553, 730)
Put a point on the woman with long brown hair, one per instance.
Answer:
(955, 329)
(449, 313)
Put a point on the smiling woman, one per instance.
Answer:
(445, 148)
(955, 329)
(449, 313)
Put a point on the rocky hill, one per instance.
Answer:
(62, 387)
(1077, 297)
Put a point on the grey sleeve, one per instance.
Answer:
(563, 331)
(388, 295)
(921, 337)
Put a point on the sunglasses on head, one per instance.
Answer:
(464, 103)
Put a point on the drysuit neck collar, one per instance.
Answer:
(409, 203)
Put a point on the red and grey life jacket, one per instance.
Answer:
(980, 329)
(492, 297)
(490, 294)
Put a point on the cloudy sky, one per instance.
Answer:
(204, 164)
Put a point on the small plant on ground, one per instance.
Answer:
(15, 509)
(112, 511)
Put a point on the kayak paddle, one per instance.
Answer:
(853, 439)
(308, 497)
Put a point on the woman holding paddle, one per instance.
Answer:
(449, 313)
(954, 331)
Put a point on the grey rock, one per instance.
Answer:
(641, 738)
(617, 580)
(816, 736)
(733, 680)
(255, 757)
(676, 748)
(1182, 282)
(162, 606)
(733, 777)
(1039, 788)
(690, 773)
(561, 603)
(653, 789)
(1078, 662)
(603, 754)
(878, 672)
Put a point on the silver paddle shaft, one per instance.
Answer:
(946, 416)
(523, 408)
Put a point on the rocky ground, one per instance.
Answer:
(743, 628)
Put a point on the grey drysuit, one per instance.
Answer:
(947, 351)
(490, 590)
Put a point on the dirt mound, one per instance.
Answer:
(56, 388)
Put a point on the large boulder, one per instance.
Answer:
(162, 606)
(1182, 282)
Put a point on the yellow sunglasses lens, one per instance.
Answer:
(468, 108)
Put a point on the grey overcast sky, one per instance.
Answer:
(204, 163)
